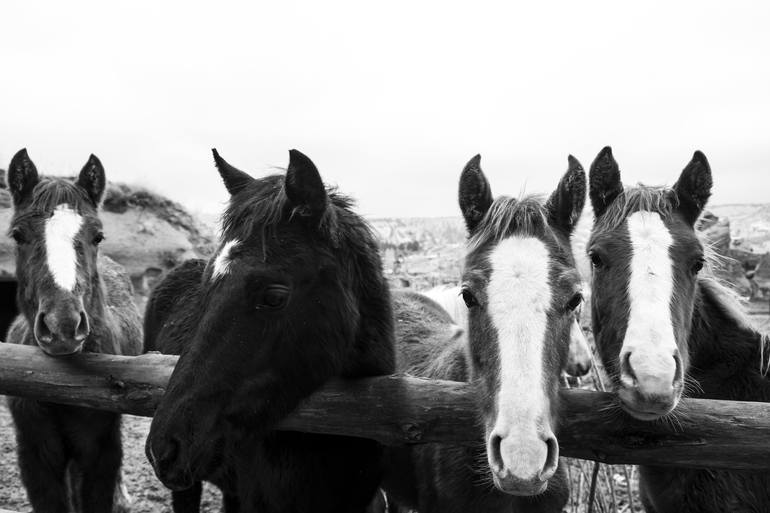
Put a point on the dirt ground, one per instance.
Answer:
(147, 493)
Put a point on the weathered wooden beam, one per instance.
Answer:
(404, 410)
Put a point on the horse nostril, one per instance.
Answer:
(551, 460)
(42, 332)
(626, 371)
(83, 328)
(495, 456)
(679, 372)
(168, 454)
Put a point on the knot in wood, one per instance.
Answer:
(116, 383)
(412, 432)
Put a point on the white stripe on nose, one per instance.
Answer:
(650, 332)
(519, 296)
(60, 232)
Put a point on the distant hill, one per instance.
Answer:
(419, 233)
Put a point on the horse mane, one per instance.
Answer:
(642, 197)
(731, 305)
(262, 205)
(51, 192)
(726, 297)
(508, 216)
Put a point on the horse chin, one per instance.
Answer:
(520, 488)
(60, 349)
(177, 483)
(646, 414)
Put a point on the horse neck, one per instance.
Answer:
(727, 356)
(96, 307)
(103, 336)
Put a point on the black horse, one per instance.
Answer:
(665, 327)
(521, 289)
(294, 296)
(70, 300)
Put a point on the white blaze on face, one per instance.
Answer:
(650, 332)
(519, 296)
(222, 262)
(60, 232)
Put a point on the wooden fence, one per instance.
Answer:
(399, 410)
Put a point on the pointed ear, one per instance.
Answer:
(235, 179)
(566, 203)
(304, 186)
(605, 184)
(475, 193)
(21, 177)
(92, 180)
(694, 187)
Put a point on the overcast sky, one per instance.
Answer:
(389, 99)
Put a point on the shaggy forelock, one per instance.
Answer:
(50, 193)
(508, 216)
(258, 209)
(640, 198)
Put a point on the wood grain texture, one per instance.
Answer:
(398, 410)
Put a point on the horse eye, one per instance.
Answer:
(274, 297)
(574, 302)
(18, 236)
(98, 238)
(469, 298)
(596, 261)
(697, 266)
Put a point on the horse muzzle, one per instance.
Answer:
(522, 465)
(651, 383)
(168, 461)
(61, 326)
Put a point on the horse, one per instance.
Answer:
(521, 289)
(173, 297)
(294, 296)
(71, 300)
(579, 357)
(665, 327)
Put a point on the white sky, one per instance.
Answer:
(389, 99)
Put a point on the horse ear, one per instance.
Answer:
(235, 179)
(21, 177)
(566, 203)
(604, 181)
(475, 193)
(304, 186)
(92, 180)
(694, 187)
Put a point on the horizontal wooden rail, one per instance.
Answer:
(400, 410)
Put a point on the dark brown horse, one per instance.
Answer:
(294, 296)
(70, 300)
(664, 327)
(521, 289)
